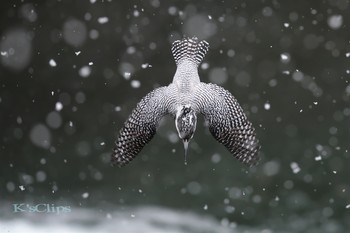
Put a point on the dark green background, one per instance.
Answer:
(308, 95)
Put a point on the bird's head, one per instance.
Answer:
(185, 122)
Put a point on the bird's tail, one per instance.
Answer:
(189, 49)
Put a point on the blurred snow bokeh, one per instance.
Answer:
(74, 32)
(16, 49)
(335, 21)
(200, 26)
(28, 12)
(40, 136)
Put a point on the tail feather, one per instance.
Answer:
(190, 49)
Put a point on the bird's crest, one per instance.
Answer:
(191, 49)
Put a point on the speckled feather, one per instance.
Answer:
(189, 49)
(140, 127)
(227, 122)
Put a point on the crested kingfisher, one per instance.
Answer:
(184, 99)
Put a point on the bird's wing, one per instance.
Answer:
(227, 122)
(140, 127)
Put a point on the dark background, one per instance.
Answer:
(69, 80)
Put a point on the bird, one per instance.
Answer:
(185, 98)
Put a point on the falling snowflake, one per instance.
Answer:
(103, 20)
(52, 63)
(58, 106)
(295, 167)
(85, 195)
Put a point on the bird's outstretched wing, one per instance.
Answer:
(140, 127)
(227, 122)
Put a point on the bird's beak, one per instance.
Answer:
(186, 147)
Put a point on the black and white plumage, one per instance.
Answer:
(184, 98)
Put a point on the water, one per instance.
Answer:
(154, 219)
(142, 219)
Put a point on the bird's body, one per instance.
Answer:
(184, 99)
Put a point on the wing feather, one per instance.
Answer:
(140, 127)
(227, 122)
